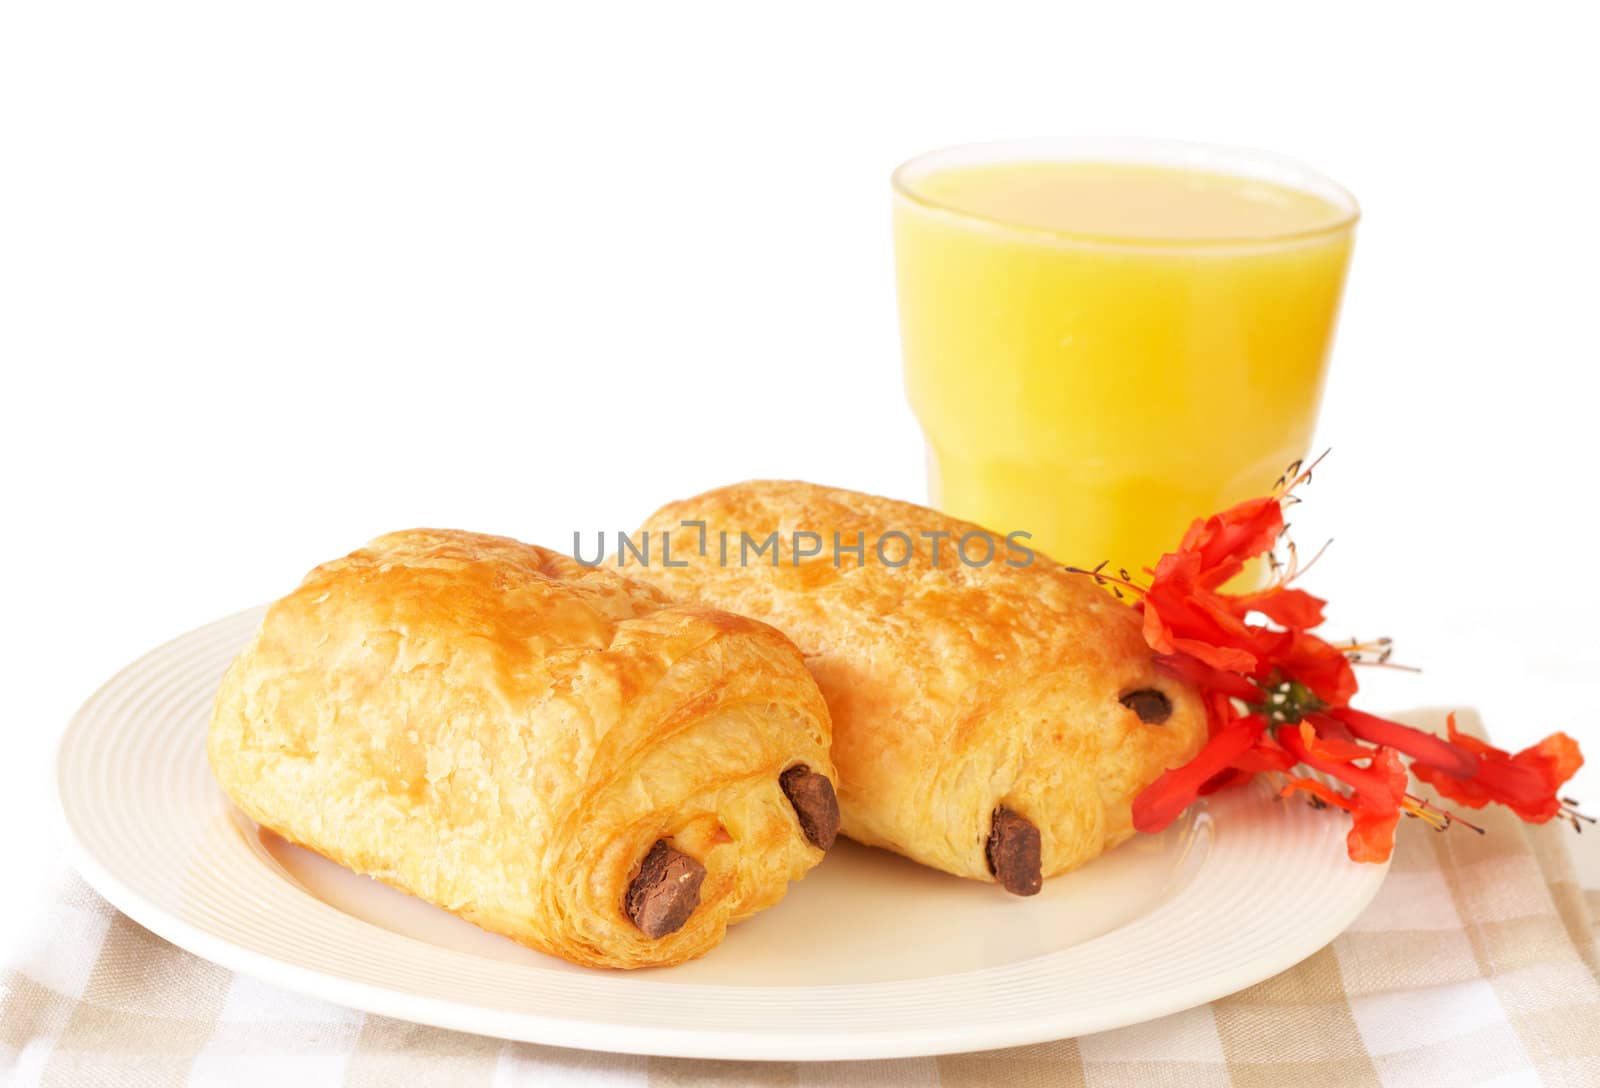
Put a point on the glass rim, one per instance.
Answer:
(1184, 154)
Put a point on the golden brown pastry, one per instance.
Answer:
(992, 719)
(555, 753)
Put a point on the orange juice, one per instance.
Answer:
(1099, 351)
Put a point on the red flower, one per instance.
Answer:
(1165, 799)
(1425, 748)
(1206, 678)
(1185, 611)
(1318, 665)
(1377, 794)
(1223, 542)
(1527, 783)
(1183, 617)
(1265, 755)
(1277, 695)
(1293, 608)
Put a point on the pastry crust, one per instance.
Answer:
(499, 730)
(956, 691)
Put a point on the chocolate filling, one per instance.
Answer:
(665, 892)
(1014, 852)
(814, 803)
(1152, 706)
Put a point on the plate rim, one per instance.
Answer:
(772, 1043)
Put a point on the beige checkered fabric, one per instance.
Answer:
(1476, 964)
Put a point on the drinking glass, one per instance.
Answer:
(1102, 383)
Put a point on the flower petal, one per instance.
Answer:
(1159, 803)
(1425, 748)
(1293, 608)
(1528, 783)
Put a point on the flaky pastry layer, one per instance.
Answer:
(496, 729)
(956, 690)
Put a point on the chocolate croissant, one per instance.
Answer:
(554, 753)
(993, 715)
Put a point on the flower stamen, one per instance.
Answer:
(1112, 581)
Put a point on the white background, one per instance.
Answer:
(275, 278)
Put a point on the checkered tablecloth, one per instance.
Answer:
(1476, 964)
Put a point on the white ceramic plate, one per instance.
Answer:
(868, 957)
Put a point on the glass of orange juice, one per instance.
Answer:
(1103, 341)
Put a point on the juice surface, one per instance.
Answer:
(1129, 202)
(1099, 353)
